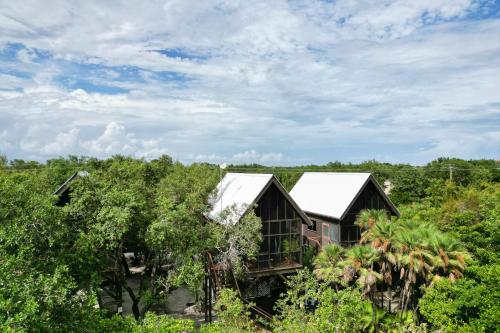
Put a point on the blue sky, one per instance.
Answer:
(270, 82)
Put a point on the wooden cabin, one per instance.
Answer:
(332, 200)
(282, 219)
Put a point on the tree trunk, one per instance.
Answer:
(99, 298)
(135, 301)
(205, 289)
(382, 295)
(389, 288)
(125, 265)
(123, 283)
(209, 299)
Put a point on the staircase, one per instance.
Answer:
(224, 278)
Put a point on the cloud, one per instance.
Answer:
(116, 140)
(62, 142)
(270, 82)
(251, 156)
(248, 156)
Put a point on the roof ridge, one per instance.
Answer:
(337, 172)
(249, 174)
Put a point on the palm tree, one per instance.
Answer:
(327, 264)
(413, 257)
(359, 264)
(367, 218)
(381, 237)
(449, 255)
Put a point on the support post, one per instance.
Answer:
(205, 289)
(210, 288)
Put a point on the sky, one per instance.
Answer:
(269, 82)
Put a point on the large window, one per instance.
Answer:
(335, 233)
(280, 230)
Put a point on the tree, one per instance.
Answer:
(450, 256)
(238, 240)
(327, 265)
(40, 289)
(359, 263)
(232, 315)
(471, 304)
(367, 218)
(409, 185)
(381, 237)
(414, 260)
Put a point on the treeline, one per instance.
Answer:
(438, 264)
(409, 183)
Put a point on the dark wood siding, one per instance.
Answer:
(369, 198)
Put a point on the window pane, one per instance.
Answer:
(264, 247)
(264, 207)
(274, 245)
(290, 213)
(335, 233)
(285, 227)
(325, 230)
(273, 203)
(275, 228)
(296, 257)
(276, 259)
(292, 244)
(265, 228)
(281, 208)
(344, 237)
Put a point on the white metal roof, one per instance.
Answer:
(239, 189)
(328, 193)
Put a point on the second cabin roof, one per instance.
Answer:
(331, 193)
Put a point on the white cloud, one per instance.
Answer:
(113, 140)
(116, 140)
(62, 142)
(251, 156)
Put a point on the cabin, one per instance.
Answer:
(332, 200)
(282, 219)
(64, 191)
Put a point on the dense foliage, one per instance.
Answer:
(435, 268)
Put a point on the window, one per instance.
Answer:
(335, 233)
(350, 235)
(313, 226)
(325, 230)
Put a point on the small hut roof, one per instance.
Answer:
(64, 186)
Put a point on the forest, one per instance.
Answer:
(436, 268)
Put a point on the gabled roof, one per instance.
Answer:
(61, 189)
(243, 190)
(332, 194)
